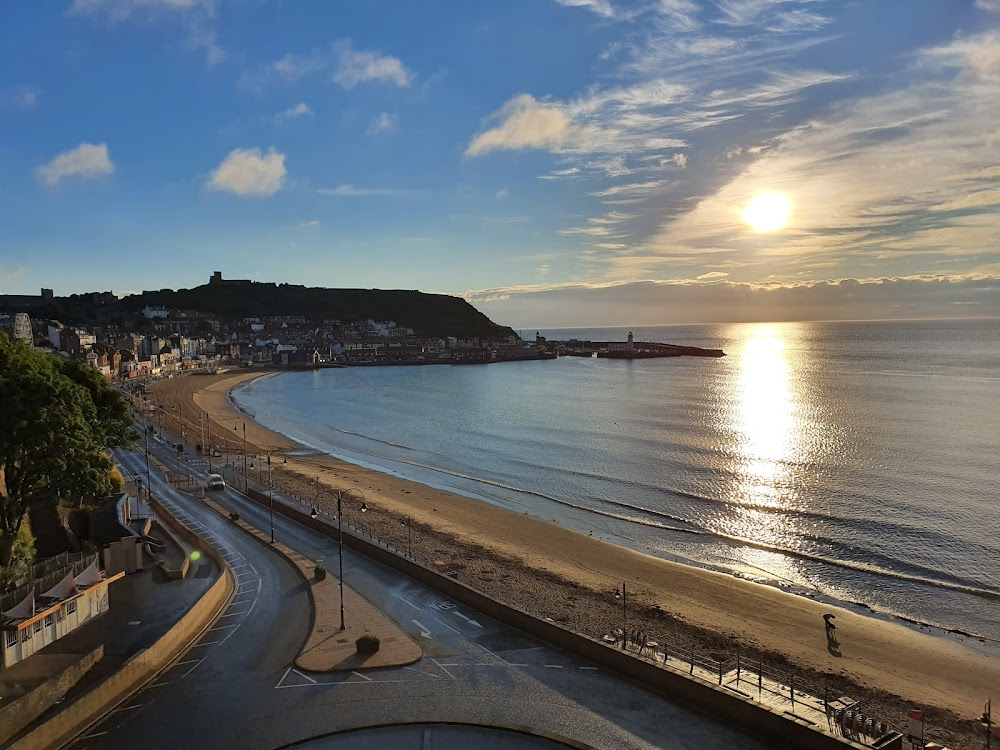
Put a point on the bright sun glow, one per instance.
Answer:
(768, 212)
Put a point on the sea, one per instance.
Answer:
(852, 462)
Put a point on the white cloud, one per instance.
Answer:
(502, 194)
(382, 123)
(990, 5)
(352, 67)
(600, 7)
(86, 160)
(292, 67)
(293, 113)
(712, 275)
(350, 191)
(524, 123)
(312, 224)
(680, 160)
(250, 172)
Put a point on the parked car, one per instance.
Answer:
(215, 482)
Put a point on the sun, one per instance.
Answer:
(768, 212)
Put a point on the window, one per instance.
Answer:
(25, 635)
(71, 607)
(60, 615)
(10, 639)
(37, 627)
(48, 620)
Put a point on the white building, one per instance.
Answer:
(55, 333)
(22, 327)
(622, 346)
(155, 312)
(31, 625)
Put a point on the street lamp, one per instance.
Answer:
(340, 533)
(246, 476)
(407, 522)
(623, 595)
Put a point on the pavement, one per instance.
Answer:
(330, 649)
(239, 686)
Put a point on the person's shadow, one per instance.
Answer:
(832, 644)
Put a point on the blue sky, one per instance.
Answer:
(523, 153)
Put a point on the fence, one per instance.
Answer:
(47, 573)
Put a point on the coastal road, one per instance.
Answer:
(238, 687)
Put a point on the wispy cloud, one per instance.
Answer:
(350, 191)
(294, 112)
(352, 67)
(381, 123)
(87, 160)
(311, 224)
(717, 300)
(20, 97)
(600, 7)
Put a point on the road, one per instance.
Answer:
(237, 687)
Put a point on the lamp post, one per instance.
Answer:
(246, 476)
(407, 522)
(340, 534)
(270, 495)
(623, 595)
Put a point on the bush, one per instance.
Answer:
(367, 644)
(117, 480)
(319, 572)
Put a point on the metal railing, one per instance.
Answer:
(47, 573)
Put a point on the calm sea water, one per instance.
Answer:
(850, 461)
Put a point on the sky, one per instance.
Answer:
(557, 162)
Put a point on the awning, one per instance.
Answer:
(62, 590)
(23, 610)
(89, 577)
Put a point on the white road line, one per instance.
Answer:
(95, 734)
(248, 573)
(467, 619)
(429, 674)
(594, 669)
(423, 629)
(199, 645)
(553, 666)
(234, 614)
(448, 626)
(495, 656)
(236, 596)
(369, 679)
(224, 627)
(128, 708)
(283, 677)
(158, 684)
(192, 668)
(189, 661)
(407, 601)
(516, 664)
(307, 677)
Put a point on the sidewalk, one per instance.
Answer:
(328, 648)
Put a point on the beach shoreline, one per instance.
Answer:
(580, 574)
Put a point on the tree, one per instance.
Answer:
(53, 434)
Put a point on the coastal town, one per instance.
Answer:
(161, 341)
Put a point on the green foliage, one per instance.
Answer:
(367, 644)
(319, 572)
(53, 434)
(22, 555)
(113, 424)
(117, 480)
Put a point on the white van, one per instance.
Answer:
(215, 482)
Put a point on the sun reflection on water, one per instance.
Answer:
(766, 447)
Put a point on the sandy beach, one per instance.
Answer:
(565, 575)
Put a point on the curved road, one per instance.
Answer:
(237, 687)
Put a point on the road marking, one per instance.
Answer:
(443, 669)
(189, 661)
(361, 676)
(467, 619)
(192, 668)
(307, 677)
(516, 664)
(429, 674)
(407, 601)
(283, 677)
(224, 627)
(495, 656)
(234, 614)
(423, 629)
(248, 573)
(160, 684)
(448, 626)
(128, 708)
(199, 645)
(553, 666)
(590, 668)
(95, 734)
